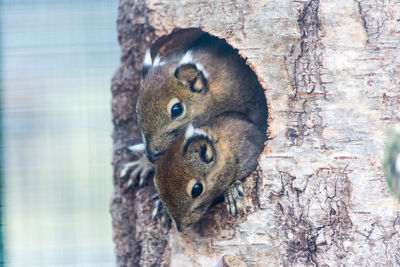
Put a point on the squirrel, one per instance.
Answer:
(191, 87)
(205, 164)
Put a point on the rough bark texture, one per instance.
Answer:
(331, 69)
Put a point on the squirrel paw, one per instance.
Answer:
(138, 171)
(232, 198)
(158, 211)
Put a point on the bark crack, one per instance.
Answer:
(363, 19)
(305, 119)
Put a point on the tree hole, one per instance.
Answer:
(215, 88)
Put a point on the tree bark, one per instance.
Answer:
(331, 73)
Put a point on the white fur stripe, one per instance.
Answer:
(147, 58)
(187, 58)
(137, 147)
(202, 69)
(156, 61)
(397, 164)
(192, 132)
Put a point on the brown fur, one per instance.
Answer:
(230, 87)
(233, 147)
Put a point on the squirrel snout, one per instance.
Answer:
(152, 155)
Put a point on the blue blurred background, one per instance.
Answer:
(57, 60)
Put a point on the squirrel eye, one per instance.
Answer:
(176, 110)
(197, 190)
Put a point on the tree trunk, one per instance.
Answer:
(331, 73)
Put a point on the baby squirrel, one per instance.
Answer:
(205, 164)
(192, 87)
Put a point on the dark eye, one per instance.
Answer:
(176, 110)
(197, 190)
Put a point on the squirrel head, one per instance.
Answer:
(184, 177)
(172, 95)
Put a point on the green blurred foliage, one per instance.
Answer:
(391, 163)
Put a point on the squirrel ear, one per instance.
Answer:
(192, 75)
(201, 149)
(199, 144)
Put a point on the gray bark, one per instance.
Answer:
(331, 73)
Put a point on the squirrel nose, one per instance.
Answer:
(152, 156)
(157, 152)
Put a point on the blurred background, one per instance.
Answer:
(57, 61)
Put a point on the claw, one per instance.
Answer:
(239, 188)
(129, 184)
(138, 172)
(127, 167)
(232, 198)
(235, 194)
(228, 205)
(143, 176)
(157, 208)
(159, 211)
(134, 174)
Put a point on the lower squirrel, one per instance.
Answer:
(205, 164)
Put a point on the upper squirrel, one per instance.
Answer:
(194, 87)
(205, 164)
